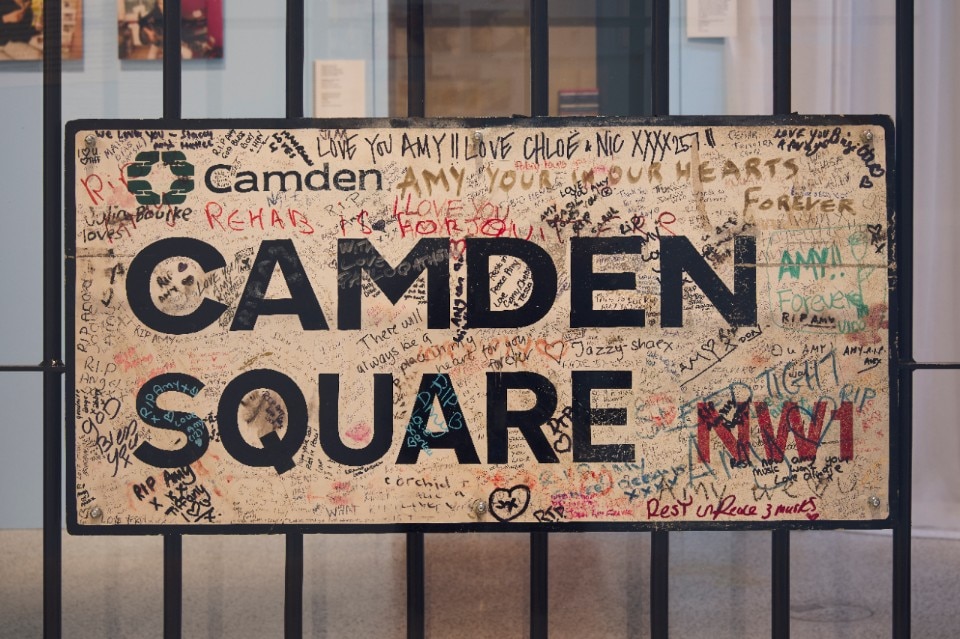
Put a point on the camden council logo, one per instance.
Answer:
(143, 189)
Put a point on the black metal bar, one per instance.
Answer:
(293, 588)
(539, 591)
(293, 566)
(780, 549)
(660, 57)
(416, 108)
(781, 56)
(539, 58)
(416, 60)
(903, 162)
(931, 365)
(903, 159)
(659, 584)
(54, 367)
(295, 49)
(901, 528)
(171, 60)
(780, 579)
(660, 103)
(780, 542)
(416, 599)
(539, 106)
(52, 322)
(172, 543)
(172, 586)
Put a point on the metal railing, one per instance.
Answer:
(53, 368)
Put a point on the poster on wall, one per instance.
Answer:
(339, 88)
(140, 29)
(480, 324)
(21, 29)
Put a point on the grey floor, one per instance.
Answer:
(477, 586)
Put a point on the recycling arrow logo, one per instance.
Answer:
(176, 193)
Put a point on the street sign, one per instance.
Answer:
(497, 324)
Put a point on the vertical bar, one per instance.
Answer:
(172, 543)
(416, 108)
(295, 48)
(901, 527)
(539, 59)
(416, 626)
(172, 586)
(903, 159)
(171, 59)
(780, 580)
(52, 322)
(780, 542)
(781, 56)
(660, 57)
(293, 566)
(659, 584)
(539, 106)
(416, 61)
(539, 600)
(660, 540)
(293, 588)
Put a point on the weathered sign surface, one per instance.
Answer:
(481, 324)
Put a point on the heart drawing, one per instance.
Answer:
(554, 350)
(507, 504)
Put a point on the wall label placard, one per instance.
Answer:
(498, 324)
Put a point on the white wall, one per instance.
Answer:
(697, 78)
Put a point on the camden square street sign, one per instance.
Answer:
(500, 324)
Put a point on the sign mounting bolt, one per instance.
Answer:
(867, 137)
(479, 508)
(96, 513)
(874, 501)
(90, 140)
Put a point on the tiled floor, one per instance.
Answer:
(477, 586)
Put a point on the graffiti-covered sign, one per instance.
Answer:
(479, 324)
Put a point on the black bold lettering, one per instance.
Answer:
(140, 274)
(528, 422)
(207, 178)
(584, 416)
(276, 452)
(363, 178)
(330, 439)
(302, 301)
(355, 256)
(198, 438)
(678, 256)
(452, 432)
(542, 271)
(282, 176)
(584, 281)
(323, 173)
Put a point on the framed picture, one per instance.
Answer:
(140, 29)
(21, 29)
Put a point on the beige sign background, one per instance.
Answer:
(479, 322)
